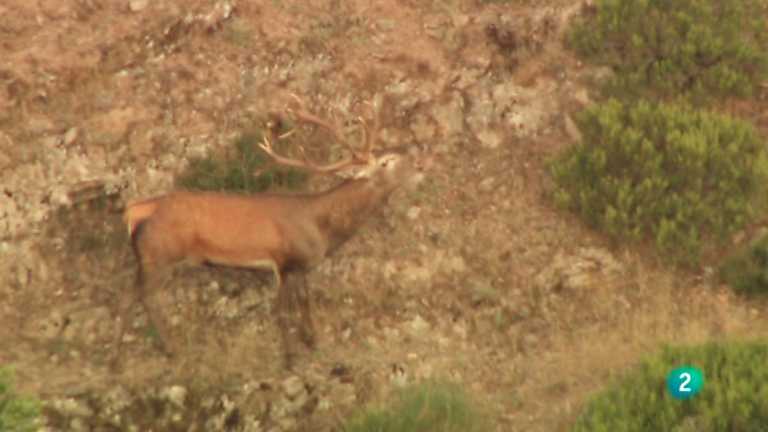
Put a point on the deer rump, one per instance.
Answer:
(137, 212)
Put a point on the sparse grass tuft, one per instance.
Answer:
(734, 396)
(17, 413)
(426, 407)
(247, 170)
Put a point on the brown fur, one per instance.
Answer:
(287, 234)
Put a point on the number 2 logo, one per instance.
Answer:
(685, 382)
(685, 379)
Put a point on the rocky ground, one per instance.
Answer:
(473, 276)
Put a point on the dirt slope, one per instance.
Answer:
(473, 276)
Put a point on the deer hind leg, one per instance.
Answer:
(155, 315)
(125, 303)
(144, 279)
(128, 299)
(155, 263)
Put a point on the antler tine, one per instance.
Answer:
(304, 115)
(334, 128)
(266, 145)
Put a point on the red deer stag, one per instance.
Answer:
(287, 234)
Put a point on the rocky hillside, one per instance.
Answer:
(472, 277)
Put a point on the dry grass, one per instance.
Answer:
(504, 237)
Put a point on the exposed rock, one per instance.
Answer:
(141, 143)
(292, 386)
(482, 114)
(22, 276)
(137, 5)
(571, 129)
(489, 138)
(39, 124)
(418, 325)
(413, 213)
(450, 115)
(70, 136)
(487, 184)
(453, 264)
(176, 394)
(423, 129)
(590, 266)
(113, 125)
(415, 274)
(71, 407)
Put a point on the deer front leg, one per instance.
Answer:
(283, 306)
(307, 328)
(282, 310)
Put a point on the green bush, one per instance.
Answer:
(734, 396)
(427, 407)
(17, 413)
(700, 49)
(663, 172)
(247, 170)
(747, 270)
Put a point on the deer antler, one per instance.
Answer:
(358, 157)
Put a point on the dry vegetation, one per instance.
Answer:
(473, 277)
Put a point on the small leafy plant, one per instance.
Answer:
(426, 407)
(734, 396)
(17, 413)
(247, 169)
(662, 172)
(694, 49)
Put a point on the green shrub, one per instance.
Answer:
(663, 172)
(247, 170)
(683, 48)
(734, 396)
(17, 413)
(747, 269)
(427, 407)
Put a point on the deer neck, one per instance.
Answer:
(340, 211)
